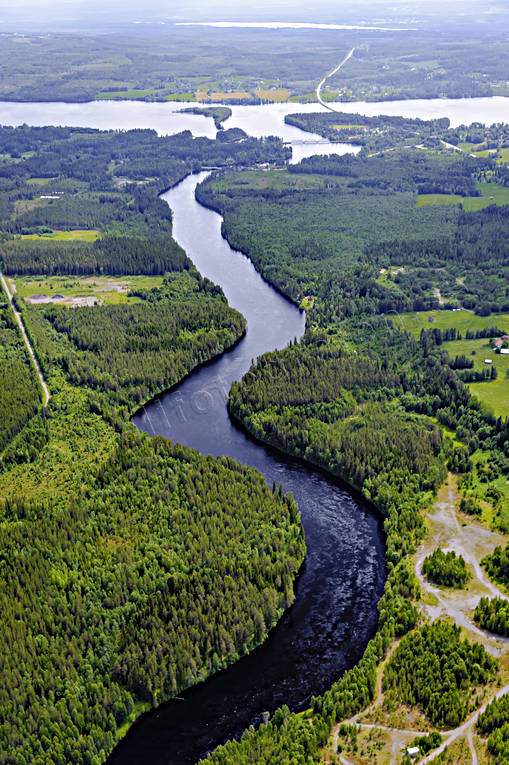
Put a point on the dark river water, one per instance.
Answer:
(334, 614)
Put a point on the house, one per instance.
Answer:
(412, 751)
(488, 361)
(504, 351)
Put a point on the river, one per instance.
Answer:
(334, 613)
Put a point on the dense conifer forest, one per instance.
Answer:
(133, 352)
(358, 218)
(86, 616)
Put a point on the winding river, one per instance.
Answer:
(334, 614)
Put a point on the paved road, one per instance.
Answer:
(27, 341)
(322, 82)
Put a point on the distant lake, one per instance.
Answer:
(284, 25)
(260, 120)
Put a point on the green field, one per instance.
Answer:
(39, 181)
(427, 200)
(282, 180)
(491, 194)
(130, 94)
(80, 290)
(479, 150)
(471, 147)
(81, 235)
(495, 393)
(461, 320)
(133, 95)
(180, 97)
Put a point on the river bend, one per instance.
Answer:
(334, 614)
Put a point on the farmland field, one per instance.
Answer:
(494, 393)
(277, 95)
(461, 320)
(491, 194)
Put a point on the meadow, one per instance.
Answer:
(491, 194)
(494, 393)
(461, 320)
(78, 235)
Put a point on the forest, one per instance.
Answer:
(85, 617)
(372, 133)
(133, 352)
(359, 216)
(105, 183)
(436, 669)
(497, 565)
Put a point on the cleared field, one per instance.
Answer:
(461, 320)
(180, 97)
(277, 95)
(79, 235)
(471, 147)
(491, 194)
(484, 153)
(425, 200)
(259, 179)
(87, 290)
(234, 94)
(131, 94)
(39, 181)
(349, 127)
